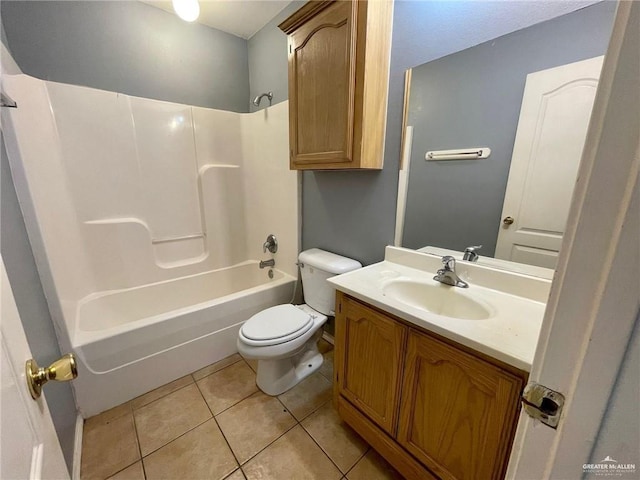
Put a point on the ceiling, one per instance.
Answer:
(242, 18)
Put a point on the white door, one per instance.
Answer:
(29, 447)
(554, 116)
(595, 295)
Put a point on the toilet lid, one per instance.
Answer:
(282, 322)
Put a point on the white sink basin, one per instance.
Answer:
(439, 299)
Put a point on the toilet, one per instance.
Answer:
(284, 338)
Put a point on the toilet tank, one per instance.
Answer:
(316, 266)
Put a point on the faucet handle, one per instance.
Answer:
(449, 263)
(271, 244)
(470, 253)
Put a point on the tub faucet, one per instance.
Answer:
(471, 253)
(267, 263)
(447, 274)
(271, 244)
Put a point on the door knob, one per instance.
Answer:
(62, 370)
(508, 220)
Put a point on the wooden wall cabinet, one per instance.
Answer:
(338, 83)
(432, 408)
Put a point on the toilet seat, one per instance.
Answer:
(276, 325)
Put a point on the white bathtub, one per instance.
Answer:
(131, 341)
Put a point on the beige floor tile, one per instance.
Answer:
(133, 472)
(326, 369)
(214, 367)
(254, 423)
(227, 387)
(253, 364)
(237, 475)
(292, 456)
(201, 453)
(109, 415)
(307, 396)
(169, 417)
(160, 392)
(373, 467)
(108, 446)
(337, 439)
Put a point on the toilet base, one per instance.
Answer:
(277, 376)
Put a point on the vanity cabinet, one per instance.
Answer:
(431, 407)
(338, 56)
(457, 411)
(371, 359)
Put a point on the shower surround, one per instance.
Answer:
(147, 220)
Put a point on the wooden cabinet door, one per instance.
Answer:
(458, 412)
(321, 87)
(368, 369)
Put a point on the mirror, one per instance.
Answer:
(514, 202)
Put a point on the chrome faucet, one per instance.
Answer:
(267, 263)
(447, 274)
(271, 244)
(470, 253)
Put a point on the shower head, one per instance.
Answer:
(256, 101)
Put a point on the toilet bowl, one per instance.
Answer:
(284, 338)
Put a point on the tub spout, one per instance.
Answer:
(267, 263)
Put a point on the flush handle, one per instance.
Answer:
(62, 370)
(543, 404)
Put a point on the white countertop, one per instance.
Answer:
(517, 303)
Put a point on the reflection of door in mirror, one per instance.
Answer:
(474, 98)
(554, 117)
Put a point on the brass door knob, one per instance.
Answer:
(508, 220)
(62, 370)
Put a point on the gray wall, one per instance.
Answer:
(472, 98)
(619, 435)
(128, 47)
(32, 305)
(353, 213)
(268, 59)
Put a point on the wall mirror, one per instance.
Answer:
(527, 98)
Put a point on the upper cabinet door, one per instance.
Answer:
(322, 84)
(338, 80)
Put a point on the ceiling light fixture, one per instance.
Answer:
(188, 10)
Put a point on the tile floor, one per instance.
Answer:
(216, 424)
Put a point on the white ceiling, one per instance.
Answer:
(242, 18)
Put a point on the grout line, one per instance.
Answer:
(217, 371)
(269, 444)
(124, 468)
(228, 444)
(220, 428)
(174, 439)
(322, 450)
(135, 429)
(369, 447)
(231, 406)
(313, 411)
(159, 398)
(182, 434)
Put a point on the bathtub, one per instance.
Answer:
(130, 341)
